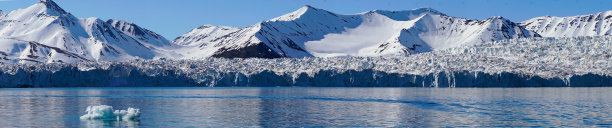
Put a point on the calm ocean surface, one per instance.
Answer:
(312, 107)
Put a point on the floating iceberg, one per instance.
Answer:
(105, 112)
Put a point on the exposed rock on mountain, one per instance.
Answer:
(313, 32)
(46, 33)
(597, 24)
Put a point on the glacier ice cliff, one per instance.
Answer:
(527, 62)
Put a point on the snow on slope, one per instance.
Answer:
(46, 24)
(204, 34)
(406, 15)
(278, 37)
(315, 32)
(140, 34)
(442, 32)
(203, 44)
(20, 51)
(584, 25)
(359, 41)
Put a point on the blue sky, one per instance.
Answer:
(172, 18)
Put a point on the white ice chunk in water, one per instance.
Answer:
(105, 112)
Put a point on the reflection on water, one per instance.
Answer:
(312, 107)
(109, 123)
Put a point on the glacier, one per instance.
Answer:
(523, 62)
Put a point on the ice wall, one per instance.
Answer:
(533, 62)
(133, 77)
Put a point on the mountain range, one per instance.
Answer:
(46, 33)
(597, 24)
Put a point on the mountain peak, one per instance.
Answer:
(206, 26)
(407, 14)
(497, 17)
(139, 33)
(127, 27)
(306, 9)
(50, 7)
(426, 9)
(414, 11)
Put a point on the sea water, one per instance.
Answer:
(310, 107)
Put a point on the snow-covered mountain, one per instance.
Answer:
(316, 32)
(142, 35)
(46, 33)
(204, 33)
(584, 25)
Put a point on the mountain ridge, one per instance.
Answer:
(46, 33)
(596, 24)
(313, 32)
